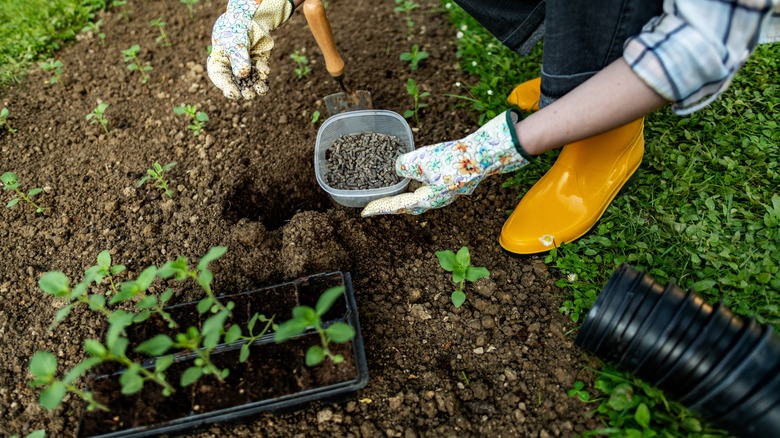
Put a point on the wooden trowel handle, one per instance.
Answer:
(314, 11)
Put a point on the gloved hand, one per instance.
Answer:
(241, 36)
(455, 168)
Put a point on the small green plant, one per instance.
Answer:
(633, 408)
(197, 118)
(190, 6)
(162, 38)
(406, 7)
(460, 266)
(97, 116)
(302, 70)
(414, 57)
(54, 66)
(157, 173)
(11, 182)
(4, 113)
(315, 117)
(122, 5)
(200, 343)
(40, 433)
(417, 98)
(94, 28)
(133, 63)
(579, 391)
(304, 317)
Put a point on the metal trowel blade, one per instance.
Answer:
(342, 102)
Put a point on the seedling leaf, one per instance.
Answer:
(475, 273)
(60, 315)
(79, 370)
(463, 258)
(147, 302)
(95, 348)
(326, 300)
(458, 298)
(131, 381)
(233, 334)
(213, 254)
(314, 355)
(204, 305)
(163, 363)
(190, 376)
(52, 396)
(54, 283)
(244, 353)
(446, 260)
(340, 332)
(43, 364)
(288, 329)
(155, 346)
(104, 259)
(642, 415)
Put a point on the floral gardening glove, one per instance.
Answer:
(454, 168)
(241, 36)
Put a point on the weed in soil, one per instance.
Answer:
(11, 182)
(157, 173)
(460, 266)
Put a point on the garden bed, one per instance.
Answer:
(498, 365)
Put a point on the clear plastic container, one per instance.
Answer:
(354, 122)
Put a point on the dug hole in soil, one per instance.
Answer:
(498, 366)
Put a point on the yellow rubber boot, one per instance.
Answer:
(526, 95)
(571, 197)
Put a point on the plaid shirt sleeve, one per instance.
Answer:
(691, 52)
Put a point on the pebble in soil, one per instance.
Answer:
(362, 161)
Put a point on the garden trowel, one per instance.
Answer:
(347, 100)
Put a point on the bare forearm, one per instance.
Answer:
(611, 98)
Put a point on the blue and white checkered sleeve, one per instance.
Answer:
(691, 52)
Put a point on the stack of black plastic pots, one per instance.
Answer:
(714, 362)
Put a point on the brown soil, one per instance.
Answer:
(498, 366)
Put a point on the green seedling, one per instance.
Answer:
(315, 117)
(122, 5)
(40, 433)
(414, 57)
(302, 70)
(97, 116)
(406, 7)
(4, 113)
(200, 343)
(157, 173)
(94, 28)
(417, 98)
(579, 391)
(54, 66)
(130, 56)
(304, 317)
(460, 266)
(162, 38)
(10, 182)
(190, 6)
(197, 118)
(105, 270)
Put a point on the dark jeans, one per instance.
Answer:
(580, 37)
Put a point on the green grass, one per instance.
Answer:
(703, 212)
(33, 30)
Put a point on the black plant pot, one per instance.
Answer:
(707, 358)
(274, 378)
